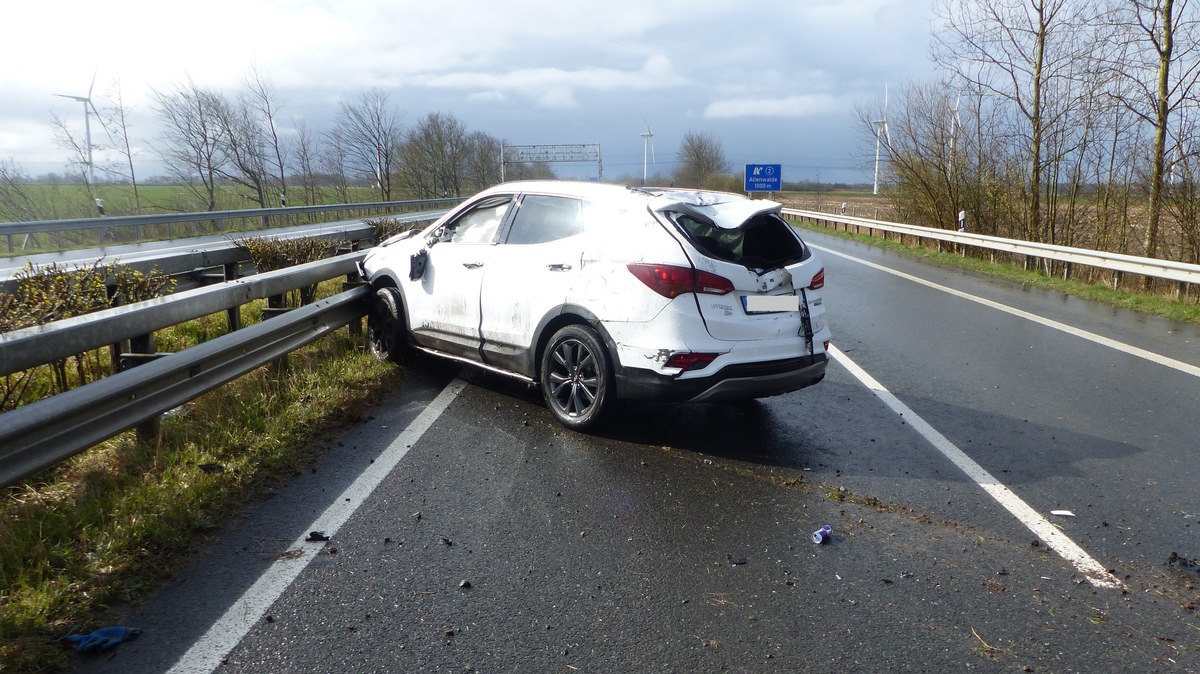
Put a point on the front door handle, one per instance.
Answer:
(472, 265)
(558, 267)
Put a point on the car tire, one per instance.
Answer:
(576, 377)
(386, 337)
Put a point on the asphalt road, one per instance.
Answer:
(470, 533)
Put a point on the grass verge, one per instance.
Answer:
(107, 526)
(1157, 305)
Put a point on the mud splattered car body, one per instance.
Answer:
(598, 293)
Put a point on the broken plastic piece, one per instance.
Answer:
(102, 639)
(1064, 513)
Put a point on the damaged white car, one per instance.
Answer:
(598, 293)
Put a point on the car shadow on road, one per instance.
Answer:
(746, 431)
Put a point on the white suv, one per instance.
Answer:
(598, 293)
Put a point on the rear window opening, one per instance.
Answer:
(763, 242)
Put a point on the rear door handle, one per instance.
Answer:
(558, 267)
(472, 265)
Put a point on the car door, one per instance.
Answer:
(443, 303)
(530, 274)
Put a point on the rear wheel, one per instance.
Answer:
(575, 377)
(385, 326)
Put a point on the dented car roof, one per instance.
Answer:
(726, 211)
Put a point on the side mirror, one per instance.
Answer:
(416, 265)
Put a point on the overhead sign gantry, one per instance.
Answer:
(521, 154)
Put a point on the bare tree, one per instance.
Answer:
(924, 152)
(433, 157)
(482, 167)
(370, 135)
(1023, 52)
(263, 101)
(1181, 193)
(192, 147)
(702, 161)
(244, 147)
(308, 153)
(1156, 58)
(114, 117)
(16, 203)
(79, 158)
(333, 159)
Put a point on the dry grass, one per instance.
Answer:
(105, 527)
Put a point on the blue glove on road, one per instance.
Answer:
(102, 639)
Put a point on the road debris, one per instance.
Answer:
(821, 536)
(1182, 562)
(102, 639)
(1062, 513)
(316, 537)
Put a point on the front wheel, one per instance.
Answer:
(385, 326)
(576, 378)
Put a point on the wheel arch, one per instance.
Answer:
(570, 315)
(382, 281)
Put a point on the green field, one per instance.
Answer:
(65, 202)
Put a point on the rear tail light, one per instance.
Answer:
(671, 281)
(691, 361)
(818, 281)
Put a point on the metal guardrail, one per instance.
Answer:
(12, 229)
(193, 264)
(1169, 270)
(43, 433)
(1164, 269)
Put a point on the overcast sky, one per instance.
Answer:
(774, 81)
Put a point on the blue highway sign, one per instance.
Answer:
(764, 177)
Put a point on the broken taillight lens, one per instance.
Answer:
(691, 361)
(818, 281)
(671, 281)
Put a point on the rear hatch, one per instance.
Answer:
(776, 279)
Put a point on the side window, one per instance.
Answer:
(479, 225)
(541, 219)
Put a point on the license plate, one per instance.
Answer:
(769, 304)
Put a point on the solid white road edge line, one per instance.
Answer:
(206, 654)
(1040, 526)
(1165, 361)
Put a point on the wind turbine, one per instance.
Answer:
(87, 124)
(647, 146)
(955, 125)
(881, 131)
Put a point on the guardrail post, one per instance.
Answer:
(141, 351)
(114, 349)
(275, 307)
(353, 280)
(233, 315)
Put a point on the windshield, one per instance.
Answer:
(763, 242)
